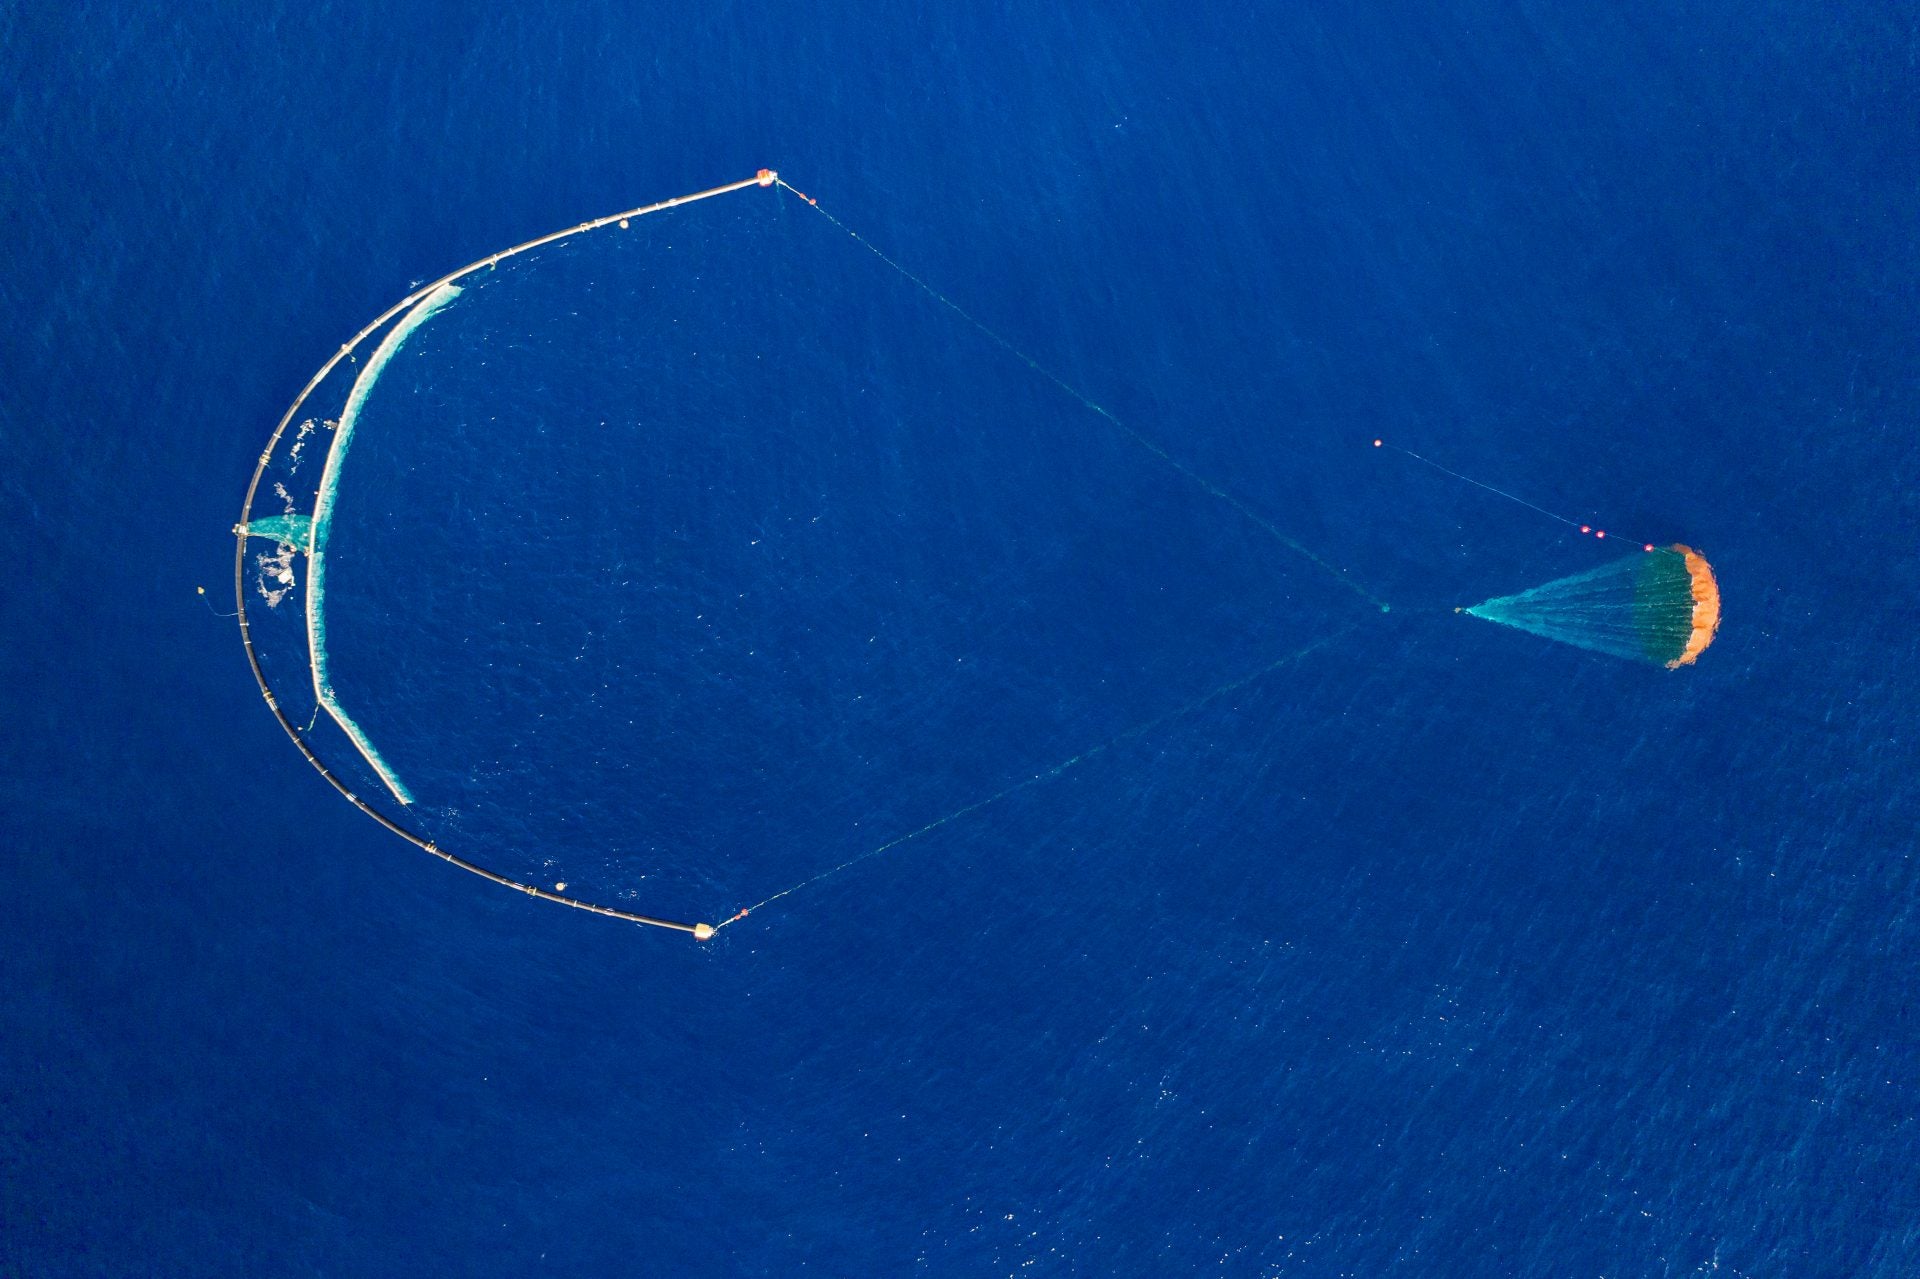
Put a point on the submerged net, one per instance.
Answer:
(1660, 606)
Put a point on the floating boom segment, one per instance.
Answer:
(322, 526)
(1662, 606)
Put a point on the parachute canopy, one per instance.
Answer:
(1660, 606)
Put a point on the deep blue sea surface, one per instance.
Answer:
(682, 563)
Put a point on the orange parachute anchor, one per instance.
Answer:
(1706, 607)
(1658, 606)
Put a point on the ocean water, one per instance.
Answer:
(684, 564)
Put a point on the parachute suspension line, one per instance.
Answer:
(1138, 730)
(427, 298)
(1586, 529)
(1093, 406)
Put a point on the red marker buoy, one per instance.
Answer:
(1586, 530)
